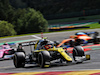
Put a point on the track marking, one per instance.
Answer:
(39, 38)
(36, 36)
(82, 72)
(27, 73)
(5, 67)
(85, 72)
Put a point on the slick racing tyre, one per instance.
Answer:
(19, 59)
(44, 59)
(95, 38)
(78, 53)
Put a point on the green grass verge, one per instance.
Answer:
(93, 26)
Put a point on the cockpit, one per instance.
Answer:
(43, 44)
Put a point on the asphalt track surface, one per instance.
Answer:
(7, 66)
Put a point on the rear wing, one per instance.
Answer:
(98, 38)
(27, 43)
(95, 33)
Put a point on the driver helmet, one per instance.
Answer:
(80, 33)
(45, 40)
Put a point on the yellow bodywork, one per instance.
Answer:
(36, 45)
(60, 50)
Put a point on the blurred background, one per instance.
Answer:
(34, 16)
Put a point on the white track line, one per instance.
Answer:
(36, 36)
(39, 38)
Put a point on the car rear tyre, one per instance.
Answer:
(95, 39)
(78, 51)
(19, 59)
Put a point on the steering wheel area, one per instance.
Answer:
(47, 46)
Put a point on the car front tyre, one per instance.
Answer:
(19, 59)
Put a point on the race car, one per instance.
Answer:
(45, 52)
(6, 52)
(81, 38)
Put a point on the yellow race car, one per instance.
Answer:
(45, 52)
